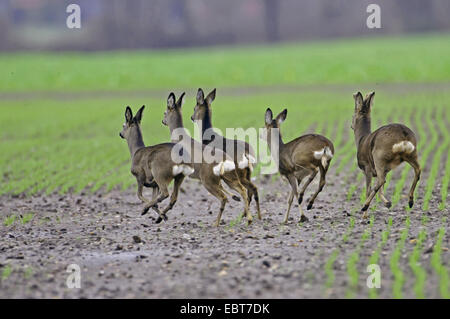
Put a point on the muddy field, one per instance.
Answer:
(123, 254)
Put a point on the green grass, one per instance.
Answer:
(420, 58)
(66, 146)
(418, 270)
(26, 218)
(6, 272)
(399, 277)
(375, 257)
(439, 268)
(8, 221)
(72, 145)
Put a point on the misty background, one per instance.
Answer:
(138, 24)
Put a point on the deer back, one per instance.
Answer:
(389, 144)
(305, 152)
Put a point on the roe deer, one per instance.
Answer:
(301, 157)
(152, 165)
(241, 152)
(216, 167)
(380, 151)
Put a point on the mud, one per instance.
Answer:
(122, 254)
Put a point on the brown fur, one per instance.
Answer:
(382, 150)
(297, 160)
(152, 166)
(203, 114)
(204, 171)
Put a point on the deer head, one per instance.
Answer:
(173, 116)
(202, 108)
(362, 108)
(270, 124)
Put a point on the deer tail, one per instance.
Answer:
(325, 155)
(403, 147)
(223, 167)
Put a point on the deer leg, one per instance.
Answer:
(223, 202)
(381, 179)
(251, 188)
(216, 190)
(290, 199)
(415, 165)
(141, 184)
(163, 194)
(294, 186)
(368, 175)
(323, 172)
(386, 202)
(310, 179)
(236, 185)
(173, 197)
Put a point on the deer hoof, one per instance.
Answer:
(300, 199)
(164, 216)
(388, 204)
(365, 208)
(145, 211)
(236, 198)
(158, 220)
(309, 206)
(303, 219)
(411, 203)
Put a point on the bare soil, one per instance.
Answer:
(125, 255)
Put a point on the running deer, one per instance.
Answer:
(152, 166)
(241, 152)
(383, 150)
(301, 157)
(213, 167)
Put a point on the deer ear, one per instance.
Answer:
(171, 101)
(180, 101)
(200, 96)
(211, 97)
(358, 101)
(281, 117)
(269, 116)
(138, 116)
(369, 99)
(128, 115)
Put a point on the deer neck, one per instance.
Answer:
(135, 140)
(206, 125)
(276, 143)
(176, 124)
(179, 134)
(362, 129)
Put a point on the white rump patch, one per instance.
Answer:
(186, 170)
(223, 167)
(324, 155)
(326, 151)
(243, 163)
(251, 159)
(403, 147)
(176, 170)
(246, 161)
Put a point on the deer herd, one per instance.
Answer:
(232, 161)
